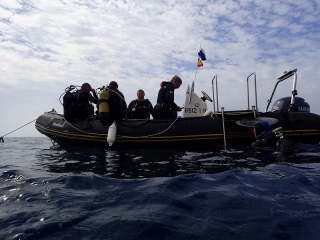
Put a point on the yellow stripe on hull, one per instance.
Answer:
(102, 138)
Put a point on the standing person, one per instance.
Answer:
(117, 102)
(166, 107)
(83, 99)
(140, 108)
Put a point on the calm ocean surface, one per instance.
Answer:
(49, 192)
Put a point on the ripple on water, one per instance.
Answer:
(91, 193)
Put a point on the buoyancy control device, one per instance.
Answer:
(103, 107)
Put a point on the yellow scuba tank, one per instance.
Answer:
(103, 107)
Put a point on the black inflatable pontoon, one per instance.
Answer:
(194, 127)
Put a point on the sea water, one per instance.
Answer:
(50, 192)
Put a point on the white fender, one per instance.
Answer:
(112, 132)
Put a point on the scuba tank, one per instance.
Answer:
(112, 132)
(103, 106)
(69, 105)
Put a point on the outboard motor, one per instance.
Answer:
(283, 104)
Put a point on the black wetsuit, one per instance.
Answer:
(140, 109)
(272, 139)
(165, 107)
(84, 107)
(117, 105)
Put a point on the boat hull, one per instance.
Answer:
(196, 130)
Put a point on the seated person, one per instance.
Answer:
(83, 99)
(266, 138)
(140, 108)
(117, 102)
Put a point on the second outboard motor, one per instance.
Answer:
(283, 104)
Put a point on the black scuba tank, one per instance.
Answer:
(69, 106)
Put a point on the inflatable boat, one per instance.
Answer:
(195, 126)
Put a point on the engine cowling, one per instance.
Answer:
(283, 104)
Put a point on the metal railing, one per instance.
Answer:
(294, 90)
(214, 106)
(255, 89)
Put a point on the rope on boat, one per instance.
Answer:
(122, 100)
(146, 121)
(223, 123)
(224, 130)
(1, 138)
(155, 133)
(53, 142)
(98, 134)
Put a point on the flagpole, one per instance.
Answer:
(201, 56)
(195, 77)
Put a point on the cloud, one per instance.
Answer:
(49, 45)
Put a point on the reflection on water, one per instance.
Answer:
(169, 162)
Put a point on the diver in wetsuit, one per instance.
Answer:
(140, 108)
(117, 102)
(84, 108)
(166, 107)
(264, 137)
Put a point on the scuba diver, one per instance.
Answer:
(117, 102)
(264, 137)
(111, 104)
(166, 107)
(140, 108)
(84, 108)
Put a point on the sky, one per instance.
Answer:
(46, 46)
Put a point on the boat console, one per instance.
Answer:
(194, 106)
